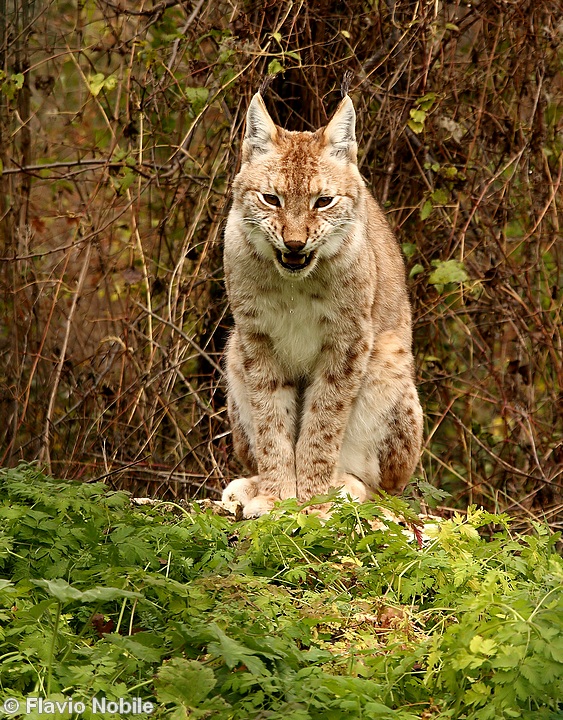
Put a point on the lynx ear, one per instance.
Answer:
(340, 133)
(261, 133)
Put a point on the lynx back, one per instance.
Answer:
(319, 364)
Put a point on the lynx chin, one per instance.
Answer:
(319, 364)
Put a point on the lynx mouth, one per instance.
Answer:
(294, 261)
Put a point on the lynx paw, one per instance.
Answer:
(349, 488)
(353, 487)
(241, 490)
(245, 491)
(259, 505)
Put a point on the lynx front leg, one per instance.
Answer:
(262, 410)
(327, 407)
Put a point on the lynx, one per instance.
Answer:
(319, 364)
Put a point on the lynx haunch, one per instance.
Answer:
(319, 364)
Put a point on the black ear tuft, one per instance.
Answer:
(345, 84)
(265, 84)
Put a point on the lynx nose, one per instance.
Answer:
(294, 245)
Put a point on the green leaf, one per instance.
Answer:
(275, 67)
(409, 249)
(416, 127)
(477, 694)
(124, 180)
(184, 682)
(449, 172)
(142, 646)
(447, 271)
(197, 97)
(416, 270)
(426, 209)
(484, 646)
(63, 592)
(432, 495)
(234, 653)
(556, 650)
(416, 121)
(531, 672)
(17, 80)
(96, 83)
(60, 590)
(419, 116)
(426, 101)
(477, 615)
(440, 196)
(110, 83)
(107, 594)
(10, 84)
(378, 710)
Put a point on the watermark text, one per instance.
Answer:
(67, 705)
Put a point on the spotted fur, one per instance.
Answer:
(319, 364)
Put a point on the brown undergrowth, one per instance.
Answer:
(120, 133)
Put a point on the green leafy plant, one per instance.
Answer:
(418, 114)
(283, 616)
(11, 84)
(99, 82)
(447, 272)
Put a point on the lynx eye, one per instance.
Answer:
(270, 199)
(324, 202)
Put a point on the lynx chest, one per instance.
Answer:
(298, 319)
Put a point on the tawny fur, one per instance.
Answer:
(319, 365)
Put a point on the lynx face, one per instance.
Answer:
(298, 193)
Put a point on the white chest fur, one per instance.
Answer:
(295, 317)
